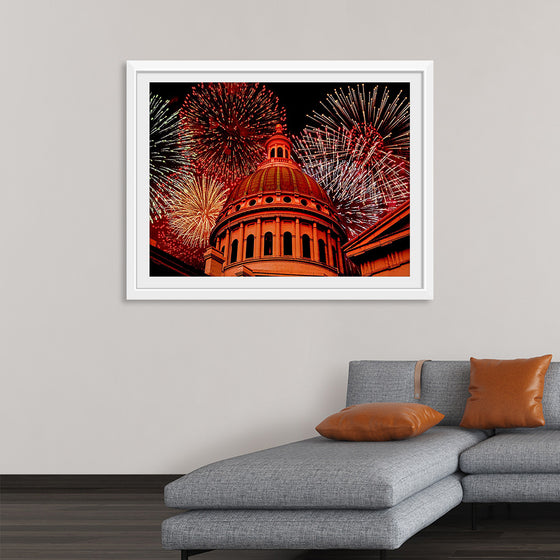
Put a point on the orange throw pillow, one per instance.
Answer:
(382, 421)
(506, 393)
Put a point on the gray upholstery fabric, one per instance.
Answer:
(445, 387)
(312, 529)
(551, 396)
(531, 451)
(511, 488)
(375, 381)
(322, 473)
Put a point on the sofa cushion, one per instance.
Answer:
(551, 397)
(379, 422)
(523, 451)
(322, 473)
(506, 393)
(491, 488)
(312, 529)
(445, 387)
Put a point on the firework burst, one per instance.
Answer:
(169, 166)
(324, 157)
(361, 180)
(358, 152)
(194, 209)
(226, 124)
(371, 113)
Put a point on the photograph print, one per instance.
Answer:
(279, 179)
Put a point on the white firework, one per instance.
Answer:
(194, 209)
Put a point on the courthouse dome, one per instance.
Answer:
(278, 221)
(279, 173)
(284, 178)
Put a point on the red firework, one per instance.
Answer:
(163, 237)
(225, 125)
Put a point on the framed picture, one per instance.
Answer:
(279, 180)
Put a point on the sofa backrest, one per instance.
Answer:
(445, 387)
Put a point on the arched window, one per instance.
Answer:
(287, 243)
(305, 246)
(322, 252)
(334, 257)
(280, 152)
(250, 248)
(273, 152)
(268, 243)
(233, 257)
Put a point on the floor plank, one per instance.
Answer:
(90, 524)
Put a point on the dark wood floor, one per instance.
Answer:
(91, 524)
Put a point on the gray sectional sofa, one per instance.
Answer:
(325, 494)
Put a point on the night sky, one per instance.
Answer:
(298, 98)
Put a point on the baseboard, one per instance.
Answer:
(122, 482)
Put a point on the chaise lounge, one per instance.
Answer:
(325, 494)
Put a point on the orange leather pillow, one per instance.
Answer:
(506, 393)
(382, 421)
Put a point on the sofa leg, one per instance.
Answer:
(186, 554)
(473, 517)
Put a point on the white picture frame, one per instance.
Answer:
(417, 286)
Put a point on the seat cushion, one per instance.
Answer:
(312, 529)
(523, 451)
(491, 488)
(320, 473)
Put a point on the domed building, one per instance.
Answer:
(277, 222)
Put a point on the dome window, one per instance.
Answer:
(287, 243)
(238, 207)
(334, 257)
(287, 199)
(304, 202)
(252, 202)
(234, 245)
(318, 206)
(280, 152)
(273, 152)
(305, 246)
(250, 249)
(268, 244)
(269, 199)
(322, 252)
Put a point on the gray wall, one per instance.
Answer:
(95, 384)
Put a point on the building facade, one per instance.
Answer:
(277, 222)
(384, 248)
